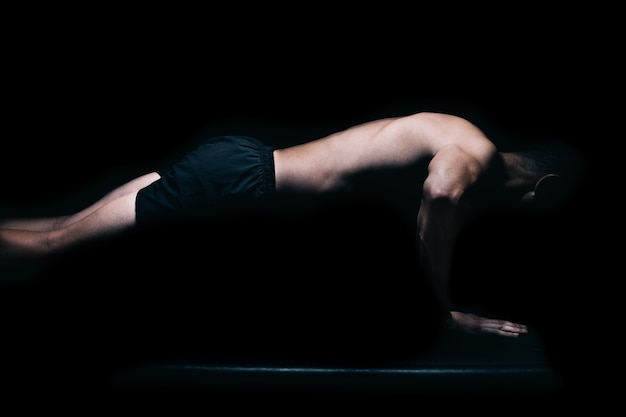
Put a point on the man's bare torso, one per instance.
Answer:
(328, 164)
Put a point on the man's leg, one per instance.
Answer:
(111, 214)
(58, 222)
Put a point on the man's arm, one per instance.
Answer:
(452, 171)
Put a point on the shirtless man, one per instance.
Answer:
(456, 156)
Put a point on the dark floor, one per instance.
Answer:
(456, 364)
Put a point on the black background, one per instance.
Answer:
(102, 95)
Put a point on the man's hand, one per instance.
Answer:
(472, 323)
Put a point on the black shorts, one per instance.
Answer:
(221, 173)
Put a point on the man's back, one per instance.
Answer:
(328, 164)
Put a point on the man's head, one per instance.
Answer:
(547, 174)
(546, 192)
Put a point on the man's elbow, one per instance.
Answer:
(438, 193)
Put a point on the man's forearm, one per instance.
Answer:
(436, 244)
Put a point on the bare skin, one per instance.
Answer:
(458, 155)
(111, 214)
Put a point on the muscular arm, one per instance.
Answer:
(452, 171)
